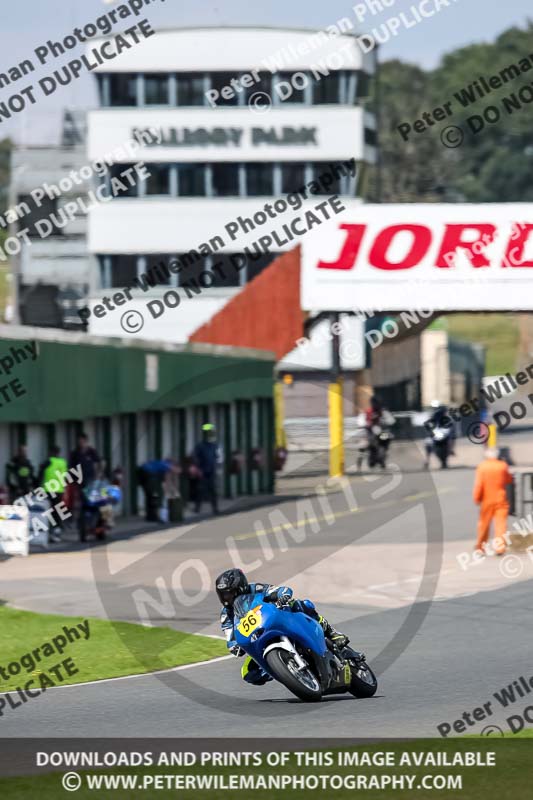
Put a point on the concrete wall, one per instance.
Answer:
(308, 395)
(436, 380)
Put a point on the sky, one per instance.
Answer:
(26, 24)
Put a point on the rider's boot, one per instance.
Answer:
(252, 673)
(339, 639)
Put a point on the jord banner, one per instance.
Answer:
(411, 256)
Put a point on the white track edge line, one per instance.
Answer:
(129, 677)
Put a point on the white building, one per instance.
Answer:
(215, 164)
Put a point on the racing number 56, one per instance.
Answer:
(248, 622)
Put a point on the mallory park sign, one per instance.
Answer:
(229, 137)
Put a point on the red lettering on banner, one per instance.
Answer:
(453, 240)
(350, 249)
(421, 241)
(515, 249)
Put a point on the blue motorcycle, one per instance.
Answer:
(291, 647)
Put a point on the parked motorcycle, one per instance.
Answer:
(292, 648)
(97, 509)
(376, 448)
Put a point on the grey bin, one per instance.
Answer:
(175, 509)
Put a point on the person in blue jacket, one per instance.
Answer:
(151, 476)
(206, 457)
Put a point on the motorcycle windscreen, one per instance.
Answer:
(246, 602)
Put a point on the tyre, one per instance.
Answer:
(442, 454)
(364, 683)
(302, 683)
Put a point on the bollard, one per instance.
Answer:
(336, 430)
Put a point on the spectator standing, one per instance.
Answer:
(490, 493)
(88, 459)
(194, 477)
(151, 477)
(52, 478)
(207, 456)
(20, 474)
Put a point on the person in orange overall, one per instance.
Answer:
(492, 478)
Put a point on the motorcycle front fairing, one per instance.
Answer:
(259, 624)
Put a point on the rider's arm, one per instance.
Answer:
(277, 593)
(226, 623)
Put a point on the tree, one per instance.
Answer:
(412, 170)
(493, 165)
(5, 168)
(6, 146)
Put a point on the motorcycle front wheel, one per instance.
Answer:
(301, 682)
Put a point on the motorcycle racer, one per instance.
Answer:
(374, 413)
(232, 583)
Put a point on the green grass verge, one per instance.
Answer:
(499, 333)
(511, 776)
(527, 733)
(113, 649)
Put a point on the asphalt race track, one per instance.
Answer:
(440, 646)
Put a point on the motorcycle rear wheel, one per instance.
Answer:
(363, 683)
(282, 666)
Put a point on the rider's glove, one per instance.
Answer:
(285, 596)
(236, 651)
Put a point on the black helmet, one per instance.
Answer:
(230, 585)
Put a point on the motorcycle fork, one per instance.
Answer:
(297, 657)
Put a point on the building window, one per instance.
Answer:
(30, 214)
(156, 269)
(191, 89)
(371, 137)
(264, 86)
(194, 264)
(292, 177)
(363, 84)
(225, 180)
(100, 80)
(327, 89)
(159, 180)
(219, 81)
(294, 92)
(123, 270)
(116, 171)
(225, 272)
(259, 180)
(122, 89)
(328, 168)
(256, 265)
(191, 180)
(156, 90)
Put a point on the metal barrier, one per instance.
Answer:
(523, 493)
